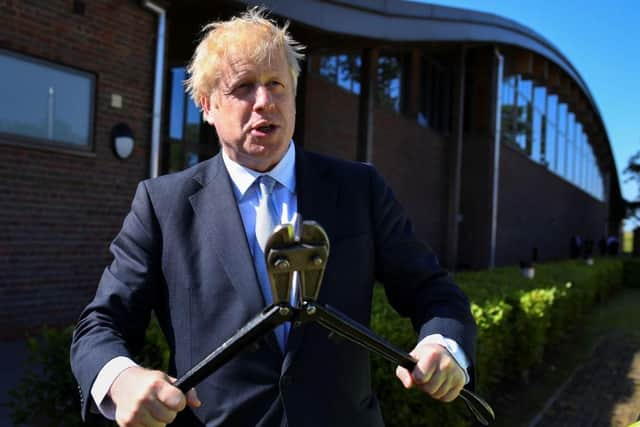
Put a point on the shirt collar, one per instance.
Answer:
(283, 172)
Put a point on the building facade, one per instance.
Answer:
(486, 132)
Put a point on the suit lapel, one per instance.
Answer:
(317, 201)
(218, 215)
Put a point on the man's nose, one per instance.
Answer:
(263, 97)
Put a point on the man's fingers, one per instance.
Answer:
(426, 367)
(404, 376)
(192, 396)
(192, 399)
(148, 420)
(139, 418)
(434, 383)
(160, 412)
(171, 397)
(449, 390)
(452, 394)
(446, 382)
(436, 372)
(445, 387)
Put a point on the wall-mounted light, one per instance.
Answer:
(122, 140)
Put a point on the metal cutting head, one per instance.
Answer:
(305, 252)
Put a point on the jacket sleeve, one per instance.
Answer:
(415, 283)
(114, 322)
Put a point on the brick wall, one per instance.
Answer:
(539, 209)
(474, 238)
(410, 157)
(331, 119)
(58, 212)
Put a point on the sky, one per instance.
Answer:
(602, 41)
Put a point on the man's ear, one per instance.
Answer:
(207, 109)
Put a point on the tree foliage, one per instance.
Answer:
(632, 174)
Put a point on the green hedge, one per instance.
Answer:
(47, 394)
(517, 318)
(632, 273)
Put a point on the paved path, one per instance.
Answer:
(603, 392)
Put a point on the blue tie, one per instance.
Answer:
(265, 214)
(266, 221)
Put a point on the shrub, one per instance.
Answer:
(516, 317)
(493, 332)
(632, 273)
(47, 394)
(400, 407)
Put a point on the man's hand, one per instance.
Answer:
(436, 373)
(146, 398)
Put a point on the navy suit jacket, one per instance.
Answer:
(182, 252)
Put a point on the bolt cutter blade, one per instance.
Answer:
(308, 256)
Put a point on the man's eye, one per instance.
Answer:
(243, 87)
(275, 83)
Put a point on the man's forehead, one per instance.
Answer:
(238, 65)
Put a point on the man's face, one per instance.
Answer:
(253, 111)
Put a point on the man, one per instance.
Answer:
(189, 251)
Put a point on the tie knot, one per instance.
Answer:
(267, 184)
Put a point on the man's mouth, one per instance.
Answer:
(264, 129)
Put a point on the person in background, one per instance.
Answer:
(613, 245)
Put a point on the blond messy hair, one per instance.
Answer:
(252, 35)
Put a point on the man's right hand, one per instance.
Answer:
(146, 398)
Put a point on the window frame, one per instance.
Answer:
(88, 149)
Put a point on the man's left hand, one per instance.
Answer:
(436, 373)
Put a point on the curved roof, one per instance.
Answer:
(396, 20)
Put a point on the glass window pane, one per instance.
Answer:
(562, 139)
(539, 106)
(191, 159)
(389, 81)
(343, 70)
(508, 112)
(585, 160)
(592, 167)
(524, 121)
(329, 67)
(176, 114)
(192, 124)
(48, 101)
(570, 148)
(551, 132)
(348, 72)
(577, 137)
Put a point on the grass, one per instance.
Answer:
(627, 242)
(520, 403)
